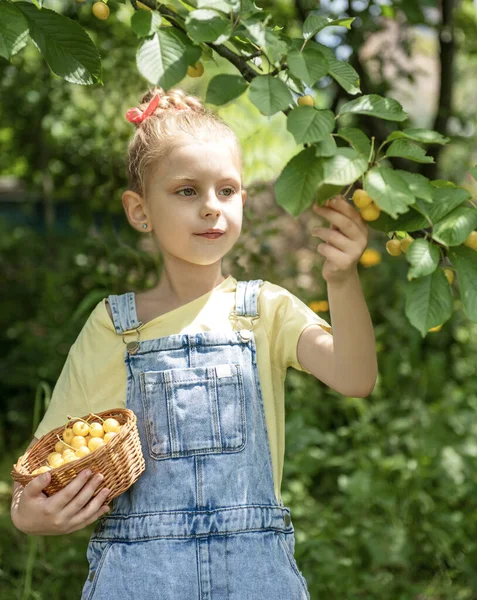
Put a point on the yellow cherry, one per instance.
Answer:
(109, 436)
(78, 441)
(361, 199)
(53, 456)
(96, 430)
(471, 240)
(60, 446)
(195, 71)
(111, 425)
(306, 101)
(101, 10)
(437, 328)
(42, 470)
(95, 443)
(405, 243)
(57, 462)
(82, 451)
(319, 305)
(370, 257)
(449, 273)
(70, 458)
(371, 212)
(393, 247)
(80, 428)
(68, 435)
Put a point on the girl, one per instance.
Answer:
(203, 369)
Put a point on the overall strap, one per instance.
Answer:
(246, 298)
(123, 309)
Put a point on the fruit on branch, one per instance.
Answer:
(405, 243)
(306, 101)
(370, 212)
(393, 247)
(101, 10)
(471, 240)
(196, 70)
(361, 199)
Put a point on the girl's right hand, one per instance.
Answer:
(68, 510)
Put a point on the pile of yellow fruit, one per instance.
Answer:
(80, 440)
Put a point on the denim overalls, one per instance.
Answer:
(202, 521)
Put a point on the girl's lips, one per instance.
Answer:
(210, 236)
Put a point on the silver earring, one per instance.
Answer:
(144, 225)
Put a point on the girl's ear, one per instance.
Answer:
(133, 205)
(244, 196)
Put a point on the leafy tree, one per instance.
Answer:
(437, 217)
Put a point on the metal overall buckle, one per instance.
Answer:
(133, 347)
(245, 334)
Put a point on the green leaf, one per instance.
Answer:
(359, 140)
(454, 229)
(327, 147)
(256, 29)
(309, 65)
(326, 191)
(410, 150)
(225, 6)
(269, 94)
(307, 124)
(375, 106)
(440, 183)
(464, 260)
(429, 301)
(344, 74)
(388, 190)
(419, 185)
(66, 47)
(13, 30)
(145, 23)
(163, 59)
(445, 200)
(409, 221)
(425, 136)
(345, 167)
(315, 23)
(206, 25)
(423, 258)
(224, 88)
(296, 186)
(341, 71)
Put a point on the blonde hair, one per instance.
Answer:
(176, 114)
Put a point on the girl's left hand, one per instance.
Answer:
(345, 240)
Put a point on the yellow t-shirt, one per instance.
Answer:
(93, 378)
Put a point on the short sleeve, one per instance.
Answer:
(288, 316)
(68, 397)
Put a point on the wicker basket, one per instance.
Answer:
(120, 460)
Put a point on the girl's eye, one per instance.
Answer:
(184, 190)
(232, 190)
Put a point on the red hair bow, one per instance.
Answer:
(136, 115)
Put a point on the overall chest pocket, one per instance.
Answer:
(195, 410)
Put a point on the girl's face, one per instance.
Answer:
(195, 188)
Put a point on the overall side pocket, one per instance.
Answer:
(287, 545)
(96, 555)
